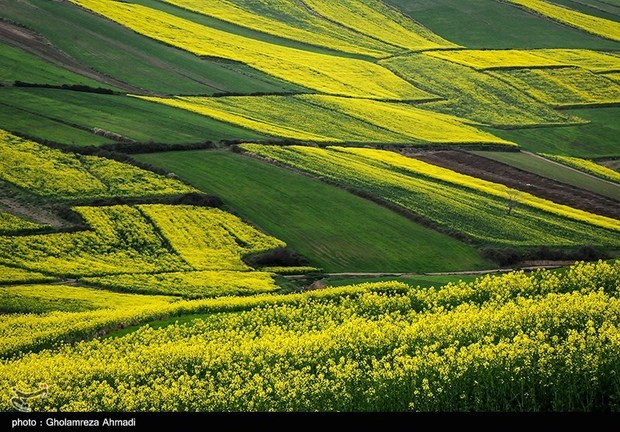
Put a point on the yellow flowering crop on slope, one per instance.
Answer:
(51, 298)
(322, 118)
(20, 333)
(490, 59)
(325, 73)
(48, 172)
(362, 27)
(474, 95)
(368, 348)
(535, 58)
(291, 20)
(450, 201)
(376, 19)
(283, 116)
(615, 76)
(126, 180)
(120, 240)
(44, 171)
(418, 124)
(587, 166)
(197, 284)
(563, 87)
(595, 61)
(208, 238)
(9, 222)
(18, 275)
(591, 24)
(444, 174)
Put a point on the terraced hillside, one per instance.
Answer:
(183, 181)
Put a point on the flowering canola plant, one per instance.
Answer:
(589, 23)
(545, 341)
(588, 166)
(321, 72)
(451, 201)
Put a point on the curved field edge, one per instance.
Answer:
(408, 342)
(334, 229)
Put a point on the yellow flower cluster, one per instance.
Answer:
(54, 298)
(291, 270)
(208, 238)
(443, 174)
(20, 333)
(375, 19)
(196, 284)
(589, 23)
(48, 172)
(492, 59)
(323, 118)
(9, 222)
(322, 72)
(137, 238)
(290, 20)
(594, 61)
(546, 341)
(474, 95)
(563, 87)
(120, 238)
(455, 202)
(17, 275)
(587, 166)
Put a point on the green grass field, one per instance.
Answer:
(132, 118)
(33, 125)
(495, 24)
(134, 59)
(600, 8)
(18, 65)
(334, 229)
(555, 171)
(600, 138)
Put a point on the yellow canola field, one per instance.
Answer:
(197, 284)
(332, 349)
(418, 167)
(418, 124)
(18, 275)
(591, 24)
(9, 222)
(615, 76)
(49, 172)
(588, 166)
(475, 95)
(563, 87)
(54, 298)
(376, 19)
(323, 118)
(291, 20)
(489, 59)
(595, 61)
(208, 238)
(325, 73)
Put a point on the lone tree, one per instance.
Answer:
(512, 199)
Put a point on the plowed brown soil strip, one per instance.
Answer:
(487, 169)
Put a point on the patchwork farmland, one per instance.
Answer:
(273, 205)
